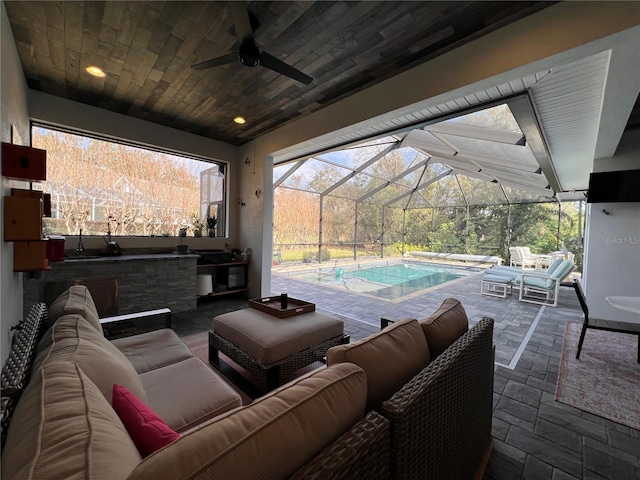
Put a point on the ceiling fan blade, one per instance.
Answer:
(241, 20)
(214, 62)
(272, 63)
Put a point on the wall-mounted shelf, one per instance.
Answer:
(24, 163)
(226, 292)
(30, 256)
(22, 219)
(24, 209)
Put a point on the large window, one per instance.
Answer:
(97, 184)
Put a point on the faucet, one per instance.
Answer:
(107, 237)
(80, 248)
(112, 248)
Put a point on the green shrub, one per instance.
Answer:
(326, 254)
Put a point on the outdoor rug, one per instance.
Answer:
(606, 379)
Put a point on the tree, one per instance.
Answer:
(143, 192)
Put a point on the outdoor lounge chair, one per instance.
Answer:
(517, 271)
(541, 260)
(518, 258)
(499, 280)
(601, 324)
(542, 288)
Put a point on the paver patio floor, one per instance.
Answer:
(534, 436)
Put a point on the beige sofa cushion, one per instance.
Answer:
(391, 358)
(73, 339)
(270, 438)
(63, 428)
(151, 350)
(76, 299)
(448, 323)
(187, 393)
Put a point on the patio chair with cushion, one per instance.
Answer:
(498, 281)
(517, 271)
(542, 288)
(602, 324)
(518, 258)
(541, 260)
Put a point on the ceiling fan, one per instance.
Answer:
(249, 54)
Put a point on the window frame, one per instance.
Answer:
(222, 206)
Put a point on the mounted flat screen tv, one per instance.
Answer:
(620, 186)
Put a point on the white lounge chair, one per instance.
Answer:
(542, 288)
(518, 258)
(517, 271)
(541, 260)
(498, 281)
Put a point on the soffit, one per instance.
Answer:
(568, 103)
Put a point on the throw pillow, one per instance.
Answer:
(448, 323)
(147, 430)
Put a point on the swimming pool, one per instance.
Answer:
(389, 281)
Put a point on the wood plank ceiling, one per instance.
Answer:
(147, 48)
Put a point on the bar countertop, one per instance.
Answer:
(125, 257)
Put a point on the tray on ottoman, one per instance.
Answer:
(271, 305)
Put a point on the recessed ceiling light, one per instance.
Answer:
(95, 71)
(239, 120)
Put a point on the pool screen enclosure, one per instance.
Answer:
(462, 185)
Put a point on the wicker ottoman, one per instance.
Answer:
(269, 347)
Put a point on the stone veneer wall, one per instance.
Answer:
(144, 283)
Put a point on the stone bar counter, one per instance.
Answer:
(122, 284)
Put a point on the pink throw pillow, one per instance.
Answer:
(147, 430)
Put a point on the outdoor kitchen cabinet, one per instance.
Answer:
(226, 278)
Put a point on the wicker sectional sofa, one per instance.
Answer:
(433, 380)
(329, 423)
(60, 421)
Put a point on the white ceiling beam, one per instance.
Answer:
(451, 145)
(536, 179)
(522, 110)
(544, 192)
(501, 161)
(478, 133)
(422, 139)
(520, 177)
(498, 176)
(418, 140)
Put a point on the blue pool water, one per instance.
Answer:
(387, 281)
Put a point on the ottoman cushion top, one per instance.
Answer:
(269, 339)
